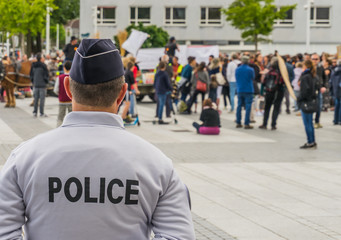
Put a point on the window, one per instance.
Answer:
(106, 15)
(140, 14)
(320, 16)
(210, 16)
(288, 20)
(176, 16)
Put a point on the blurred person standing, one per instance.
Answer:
(274, 93)
(321, 85)
(70, 49)
(163, 88)
(231, 78)
(335, 89)
(186, 75)
(40, 77)
(291, 74)
(200, 83)
(171, 47)
(244, 79)
(308, 94)
(298, 72)
(65, 103)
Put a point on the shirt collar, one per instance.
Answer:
(89, 118)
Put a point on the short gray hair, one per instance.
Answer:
(97, 95)
(245, 59)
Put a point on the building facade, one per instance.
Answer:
(201, 22)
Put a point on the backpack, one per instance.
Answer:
(273, 80)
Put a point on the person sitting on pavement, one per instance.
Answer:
(64, 100)
(82, 180)
(245, 76)
(210, 119)
(163, 88)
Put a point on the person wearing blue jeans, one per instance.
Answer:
(308, 125)
(337, 111)
(244, 99)
(162, 101)
(233, 87)
(132, 102)
(163, 88)
(244, 79)
(307, 95)
(231, 77)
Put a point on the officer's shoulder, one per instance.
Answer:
(32, 141)
(148, 150)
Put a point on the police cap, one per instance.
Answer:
(96, 61)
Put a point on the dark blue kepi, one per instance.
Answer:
(96, 61)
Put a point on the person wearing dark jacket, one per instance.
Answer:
(308, 91)
(185, 81)
(162, 87)
(40, 77)
(274, 93)
(335, 89)
(70, 49)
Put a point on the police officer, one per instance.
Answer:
(89, 178)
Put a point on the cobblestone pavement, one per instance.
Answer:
(244, 184)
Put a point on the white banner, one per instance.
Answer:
(201, 53)
(134, 41)
(148, 58)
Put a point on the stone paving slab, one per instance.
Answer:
(269, 206)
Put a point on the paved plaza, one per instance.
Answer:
(244, 184)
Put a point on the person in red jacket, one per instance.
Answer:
(64, 100)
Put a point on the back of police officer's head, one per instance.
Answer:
(97, 74)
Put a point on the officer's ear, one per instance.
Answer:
(67, 86)
(122, 94)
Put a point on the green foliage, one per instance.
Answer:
(255, 18)
(67, 10)
(53, 34)
(23, 16)
(157, 36)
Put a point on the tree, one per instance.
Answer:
(66, 10)
(255, 18)
(24, 17)
(157, 36)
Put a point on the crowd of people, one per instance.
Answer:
(243, 80)
(258, 83)
(47, 73)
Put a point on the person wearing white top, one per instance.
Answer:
(231, 78)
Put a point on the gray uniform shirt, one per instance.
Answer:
(91, 179)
